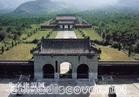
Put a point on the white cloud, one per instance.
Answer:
(81, 4)
(89, 2)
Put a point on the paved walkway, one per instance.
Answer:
(66, 34)
(122, 90)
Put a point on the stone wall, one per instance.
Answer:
(12, 69)
(75, 61)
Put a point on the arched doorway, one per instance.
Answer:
(65, 70)
(83, 71)
(48, 71)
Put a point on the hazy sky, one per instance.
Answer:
(74, 3)
(90, 2)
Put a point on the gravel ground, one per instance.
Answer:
(5, 87)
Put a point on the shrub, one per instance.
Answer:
(104, 43)
(35, 41)
(137, 48)
(115, 45)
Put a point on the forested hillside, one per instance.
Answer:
(14, 30)
(118, 27)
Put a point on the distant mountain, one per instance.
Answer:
(7, 6)
(39, 7)
(44, 7)
(4, 11)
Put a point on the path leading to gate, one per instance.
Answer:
(66, 34)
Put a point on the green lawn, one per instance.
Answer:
(22, 51)
(37, 36)
(28, 31)
(19, 52)
(111, 54)
(91, 33)
(108, 53)
(41, 34)
(78, 34)
(53, 35)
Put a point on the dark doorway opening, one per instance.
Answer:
(48, 71)
(83, 71)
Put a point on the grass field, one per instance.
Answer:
(8, 40)
(28, 31)
(37, 36)
(111, 54)
(22, 51)
(40, 34)
(19, 52)
(89, 32)
(78, 34)
(53, 35)
(108, 53)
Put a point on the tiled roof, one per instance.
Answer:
(67, 46)
(65, 18)
(66, 22)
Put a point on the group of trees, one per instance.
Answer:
(117, 28)
(83, 34)
(12, 28)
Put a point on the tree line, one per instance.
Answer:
(12, 28)
(117, 28)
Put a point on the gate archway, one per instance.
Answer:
(48, 71)
(65, 70)
(83, 71)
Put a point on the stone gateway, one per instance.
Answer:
(80, 53)
(66, 22)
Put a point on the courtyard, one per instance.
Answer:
(123, 88)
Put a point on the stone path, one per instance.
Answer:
(66, 34)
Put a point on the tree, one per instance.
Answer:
(2, 50)
(103, 35)
(108, 37)
(129, 50)
(12, 43)
(0, 28)
(119, 47)
(137, 48)
(8, 29)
